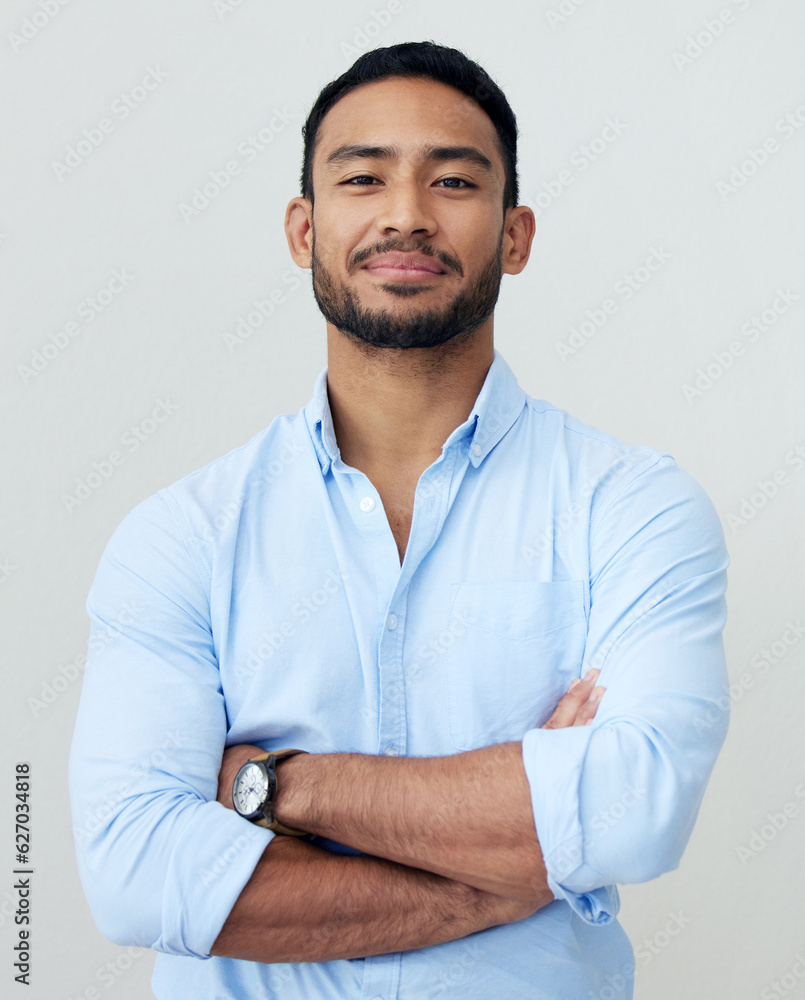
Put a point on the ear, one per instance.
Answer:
(519, 227)
(299, 231)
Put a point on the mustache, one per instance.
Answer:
(449, 261)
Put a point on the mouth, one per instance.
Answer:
(405, 267)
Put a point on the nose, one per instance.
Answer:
(404, 209)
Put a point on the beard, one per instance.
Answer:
(415, 328)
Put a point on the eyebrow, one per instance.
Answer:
(434, 154)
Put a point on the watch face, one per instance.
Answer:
(250, 788)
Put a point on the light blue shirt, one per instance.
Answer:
(261, 600)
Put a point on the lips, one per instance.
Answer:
(390, 262)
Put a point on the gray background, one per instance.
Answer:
(686, 123)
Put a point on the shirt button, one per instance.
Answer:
(367, 504)
(391, 752)
(476, 450)
(391, 622)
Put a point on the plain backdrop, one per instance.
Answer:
(650, 132)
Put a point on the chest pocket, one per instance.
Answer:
(517, 647)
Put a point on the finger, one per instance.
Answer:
(570, 703)
(586, 712)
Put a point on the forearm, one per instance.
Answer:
(467, 817)
(304, 904)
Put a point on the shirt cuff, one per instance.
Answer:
(553, 760)
(209, 865)
(600, 906)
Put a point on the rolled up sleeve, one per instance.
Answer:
(161, 862)
(615, 802)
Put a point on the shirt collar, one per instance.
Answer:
(497, 406)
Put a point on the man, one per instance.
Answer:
(402, 580)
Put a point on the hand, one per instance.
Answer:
(234, 758)
(579, 703)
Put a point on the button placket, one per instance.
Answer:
(392, 734)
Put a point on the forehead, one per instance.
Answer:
(408, 114)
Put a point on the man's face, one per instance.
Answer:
(408, 215)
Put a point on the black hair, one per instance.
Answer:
(426, 60)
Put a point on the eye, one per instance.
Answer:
(457, 180)
(451, 183)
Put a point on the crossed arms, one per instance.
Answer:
(452, 844)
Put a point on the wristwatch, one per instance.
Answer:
(254, 791)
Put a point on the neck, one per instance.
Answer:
(393, 409)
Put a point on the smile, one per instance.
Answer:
(405, 267)
(404, 273)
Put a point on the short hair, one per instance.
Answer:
(424, 60)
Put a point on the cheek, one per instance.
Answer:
(336, 245)
(473, 238)
(342, 225)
